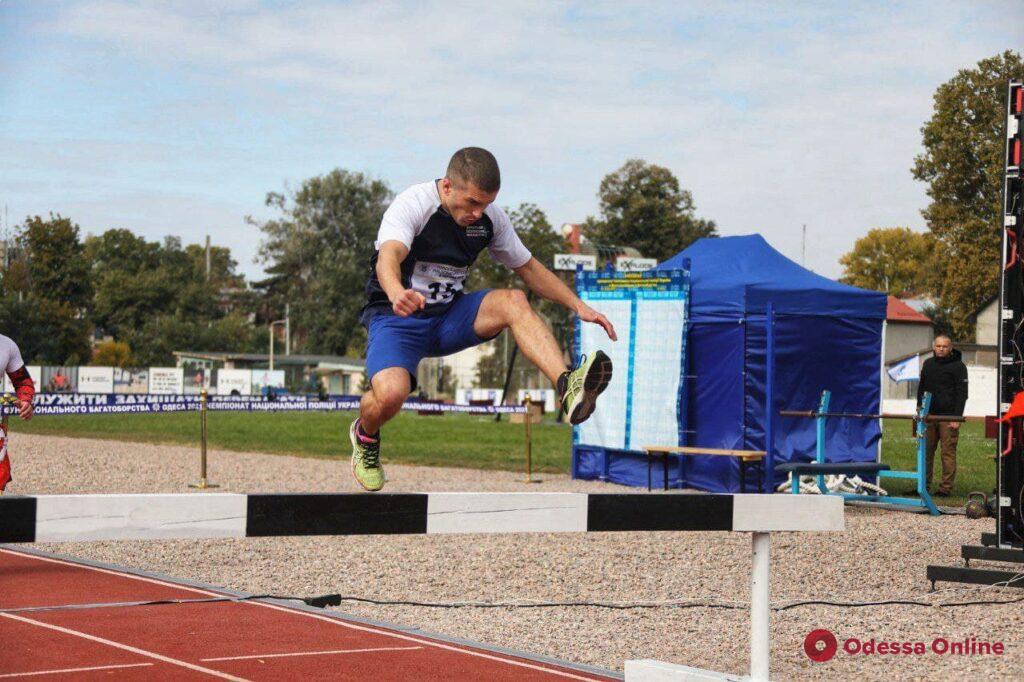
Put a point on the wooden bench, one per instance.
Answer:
(663, 451)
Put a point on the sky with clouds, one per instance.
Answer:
(176, 118)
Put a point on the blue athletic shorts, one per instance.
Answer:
(403, 341)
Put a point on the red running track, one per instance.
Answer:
(249, 640)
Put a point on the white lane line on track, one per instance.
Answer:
(125, 647)
(76, 670)
(328, 619)
(314, 653)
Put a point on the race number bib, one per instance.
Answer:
(438, 282)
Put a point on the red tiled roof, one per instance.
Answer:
(898, 311)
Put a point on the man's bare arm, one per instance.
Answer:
(404, 301)
(546, 284)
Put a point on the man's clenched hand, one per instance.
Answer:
(408, 302)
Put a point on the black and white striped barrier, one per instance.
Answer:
(66, 518)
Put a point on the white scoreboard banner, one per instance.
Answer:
(642, 403)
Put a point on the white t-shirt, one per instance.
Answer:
(10, 355)
(440, 250)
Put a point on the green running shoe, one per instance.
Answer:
(366, 459)
(580, 387)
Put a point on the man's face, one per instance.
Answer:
(465, 201)
(942, 347)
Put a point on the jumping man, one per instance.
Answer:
(416, 307)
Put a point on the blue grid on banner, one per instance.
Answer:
(629, 369)
(635, 288)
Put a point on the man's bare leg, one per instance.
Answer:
(577, 390)
(388, 390)
(508, 309)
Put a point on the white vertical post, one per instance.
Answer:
(759, 608)
(271, 355)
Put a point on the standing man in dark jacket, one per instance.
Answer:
(944, 376)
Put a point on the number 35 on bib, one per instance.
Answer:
(438, 282)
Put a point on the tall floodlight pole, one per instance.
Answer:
(270, 329)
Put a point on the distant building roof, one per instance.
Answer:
(279, 359)
(899, 311)
(920, 304)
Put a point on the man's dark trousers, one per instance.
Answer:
(942, 434)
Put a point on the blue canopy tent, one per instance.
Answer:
(827, 335)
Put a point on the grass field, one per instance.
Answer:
(449, 440)
(975, 466)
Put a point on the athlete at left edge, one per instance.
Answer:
(24, 391)
(429, 237)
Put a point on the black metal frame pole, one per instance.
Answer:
(1009, 450)
(508, 377)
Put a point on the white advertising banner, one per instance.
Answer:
(262, 378)
(95, 379)
(464, 396)
(131, 380)
(234, 382)
(633, 264)
(166, 380)
(569, 261)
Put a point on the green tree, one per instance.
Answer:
(130, 284)
(47, 293)
(47, 332)
(157, 297)
(893, 260)
(962, 162)
(15, 279)
(172, 331)
(644, 206)
(58, 269)
(319, 252)
(113, 354)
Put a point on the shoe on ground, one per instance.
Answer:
(582, 386)
(366, 467)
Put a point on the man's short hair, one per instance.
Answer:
(475, 165)
(943, 336)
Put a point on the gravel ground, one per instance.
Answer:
(882, 556)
